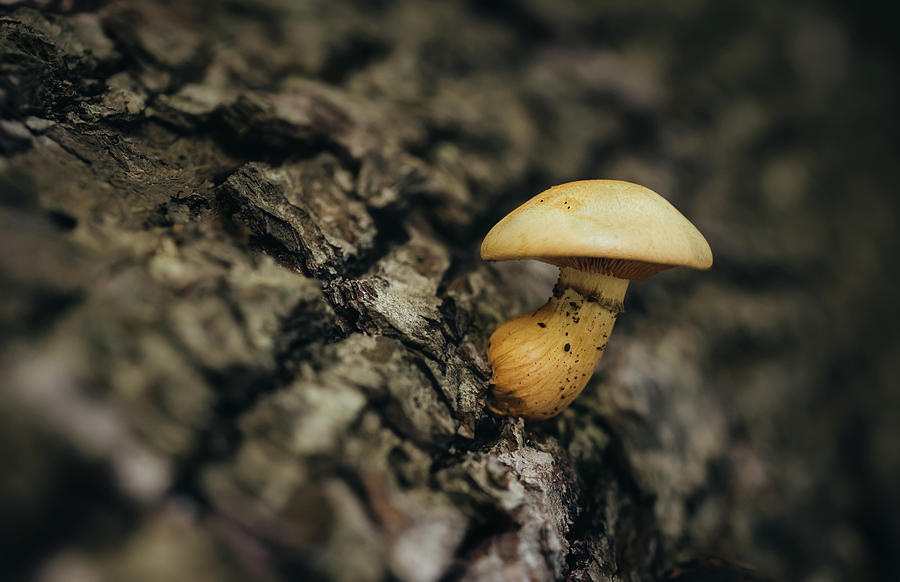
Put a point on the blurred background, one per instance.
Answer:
(163, 335)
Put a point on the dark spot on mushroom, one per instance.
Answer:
(567, 333)
(576, 319)
(568, 314)
(573, 304)
(601, 348)
(542, 324)
(567, 347)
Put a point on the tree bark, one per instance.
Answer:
(244, 319)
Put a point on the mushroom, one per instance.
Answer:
(601, 234)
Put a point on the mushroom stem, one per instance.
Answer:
(543, 359)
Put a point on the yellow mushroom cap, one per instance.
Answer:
(635, 229)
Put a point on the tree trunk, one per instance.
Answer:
(244, 320)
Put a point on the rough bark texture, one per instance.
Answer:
(244, 320)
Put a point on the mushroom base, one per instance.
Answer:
(542, 360)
